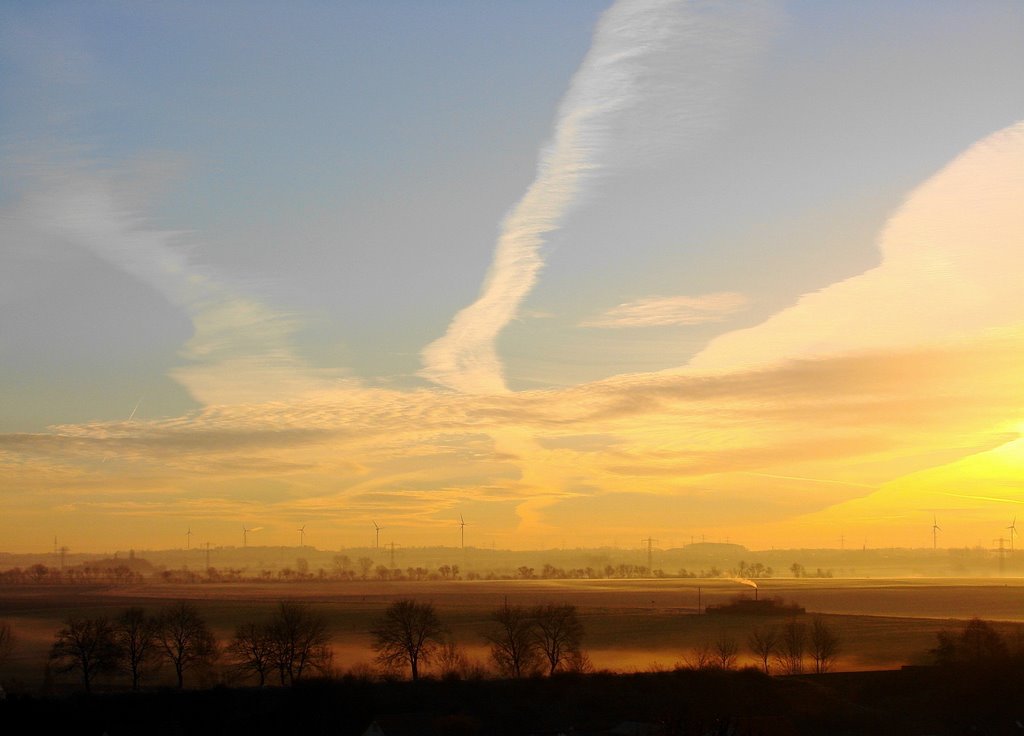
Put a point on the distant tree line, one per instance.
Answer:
(89, 573)
(343, 568)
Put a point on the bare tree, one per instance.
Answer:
(513, 641)
(301, 641)
(701, 658)
(726, 651)
(977, 643)
(6, 641)
(342, 563)
(792, 644)
(559, 634)
(87, 645)
(451, 659)
(764, 643)
(252, 650)
(135, 633)
(185, 639)
(824, 645)
(365, 565)
(408, 633)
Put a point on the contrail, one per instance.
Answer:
(663, 50)
(982, 498)
(132, 415)
(812, 480)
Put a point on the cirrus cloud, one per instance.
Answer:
(663, 311)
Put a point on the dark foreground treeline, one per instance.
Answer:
(933, 700)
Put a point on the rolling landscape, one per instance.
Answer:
(638, 633)
(590, 367)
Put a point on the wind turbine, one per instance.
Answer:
(245, 534)
(302, 533)
(935, 529)
(1013, 532)
(188, 538)
(377, 528)
(462, 530)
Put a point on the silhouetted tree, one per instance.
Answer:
(185, 639)
(6, 641)
(726, 651)
(701, 658)
(87, 645)
(365, 565)
(513, 641)
(342, 563)
(824, 645)
(977, 643)
(451, 660)
(764, 643)
(252, 650)
(300, 640)
(559, 635)
(792, 645)
(408, 633)
(135, 633)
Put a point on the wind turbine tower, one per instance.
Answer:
(377, 528)
(245, 537)
(462, 531)
(1013, 532)
(935, 530)
(302, 534)
(188, 539)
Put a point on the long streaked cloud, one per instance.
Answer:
(637, 45)
(240, 348)
(671, 310)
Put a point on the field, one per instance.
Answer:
(630, 625)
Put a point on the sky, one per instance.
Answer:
(578, 273)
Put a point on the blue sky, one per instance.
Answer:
(212, 205)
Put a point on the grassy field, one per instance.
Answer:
(631, 625)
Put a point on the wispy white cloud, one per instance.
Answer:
(660, 311)
(240, 349)
(638, 45)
